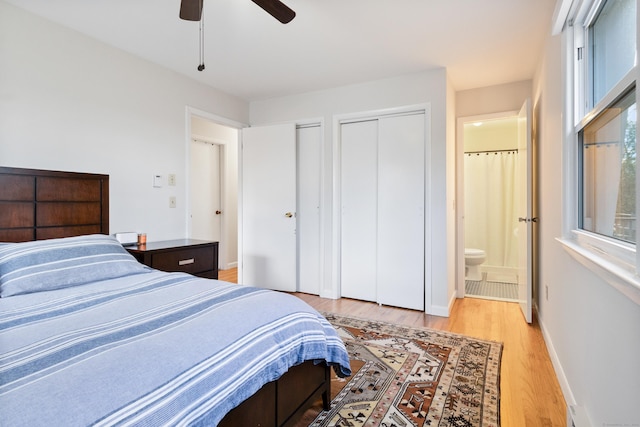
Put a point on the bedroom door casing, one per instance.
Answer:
(382, 223)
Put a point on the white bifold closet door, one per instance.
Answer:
(359, 215)
(382, 215)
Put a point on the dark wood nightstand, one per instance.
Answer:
(197, 257)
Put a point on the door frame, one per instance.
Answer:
(190, 112)
(336, 290)
(461, 121)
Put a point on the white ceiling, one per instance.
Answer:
(330, 42)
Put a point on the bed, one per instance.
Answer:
(88, 336)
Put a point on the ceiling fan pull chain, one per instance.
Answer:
(201, 66)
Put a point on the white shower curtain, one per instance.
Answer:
(490, 217)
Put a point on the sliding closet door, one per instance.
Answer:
(359, 177)
(400, 230)
(382, 182)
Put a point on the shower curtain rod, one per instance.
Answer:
(515, 150)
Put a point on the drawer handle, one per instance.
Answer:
(186, 261)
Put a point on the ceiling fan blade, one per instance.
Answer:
(277, 9)
(191, 10)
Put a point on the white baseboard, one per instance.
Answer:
(329, 294)
(557, 366)
(229, 265)
(452, 301)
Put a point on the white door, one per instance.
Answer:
(382, 175)
(204, 182)
(358, 183)
(400, 230)
(268, 242)
(525, 210)
(308, 144)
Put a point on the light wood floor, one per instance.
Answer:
(530, 393)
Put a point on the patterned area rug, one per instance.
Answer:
(413, 377)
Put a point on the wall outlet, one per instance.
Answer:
(577, 417)
(171, 179)
(172, 201)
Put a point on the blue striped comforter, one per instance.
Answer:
(150, 349)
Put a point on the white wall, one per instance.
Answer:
(592, 330)
(492, 99)
(430, 87)
(450, 210)
(69, 102)
(499, 134)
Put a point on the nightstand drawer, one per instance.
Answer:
(189, 260)
(197, 257)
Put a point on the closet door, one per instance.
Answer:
(359, 177)
(308, 214)
(401, 202)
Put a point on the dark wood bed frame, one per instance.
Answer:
(41, 204)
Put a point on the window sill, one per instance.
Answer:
(617, 273)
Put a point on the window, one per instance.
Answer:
(608, 160)
(606, 131)
(600, 214)
(612, 45)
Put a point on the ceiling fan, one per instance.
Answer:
(191, 10)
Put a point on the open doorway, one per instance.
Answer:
(212, 171)
(488, 218)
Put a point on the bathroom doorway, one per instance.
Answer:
(488, 217)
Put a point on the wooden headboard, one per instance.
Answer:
(40, 204)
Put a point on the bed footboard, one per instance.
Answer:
(282, 402)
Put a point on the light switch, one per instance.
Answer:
(157, 181)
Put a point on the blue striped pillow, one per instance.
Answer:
(45, 265)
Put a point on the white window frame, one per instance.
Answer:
(615, 261)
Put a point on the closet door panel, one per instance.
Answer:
(308, 213)
(359, 174)
(400, 228)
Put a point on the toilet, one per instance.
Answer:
(473, 258)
